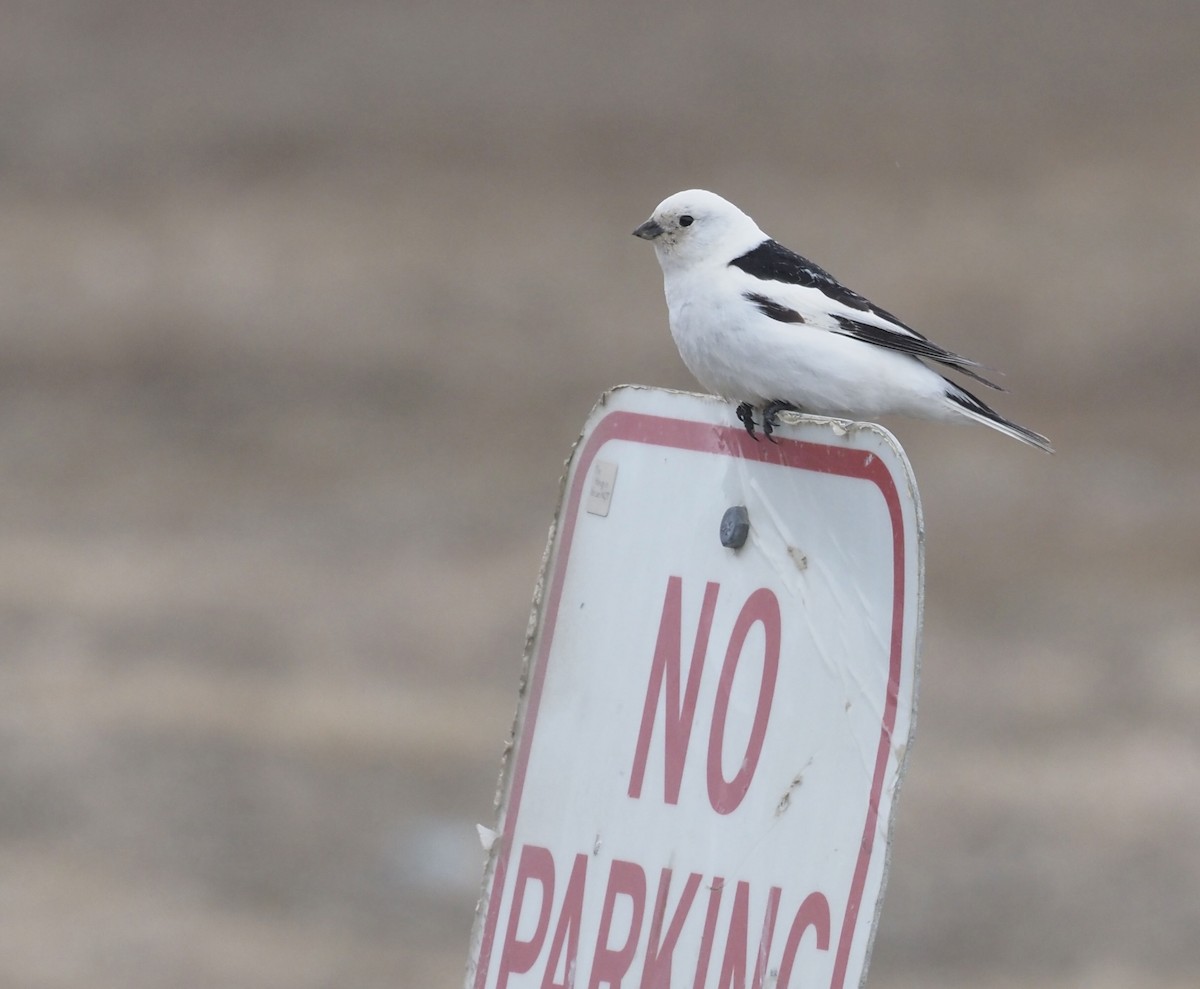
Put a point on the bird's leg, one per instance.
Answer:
(745, 414)
(770, 416)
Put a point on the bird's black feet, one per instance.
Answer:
(745, 414)
(770, 416)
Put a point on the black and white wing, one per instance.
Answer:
(795, 290)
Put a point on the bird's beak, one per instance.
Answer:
(648, 230)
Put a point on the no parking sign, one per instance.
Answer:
(713, 724)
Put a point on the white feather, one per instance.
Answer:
(739, 352)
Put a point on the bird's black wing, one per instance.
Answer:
(915, 346)
(769, 307)
(771, 261)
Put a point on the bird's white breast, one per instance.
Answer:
(707, 323)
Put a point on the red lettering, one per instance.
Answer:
(665, 677)
(656, 973)
(519, 956)
(567, 930)
(620, 928)
(768, 934)
(734, 965)
(710, 932)
(610, 964)
(814, 913)
(725, 795)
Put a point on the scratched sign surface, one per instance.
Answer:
(709, 740)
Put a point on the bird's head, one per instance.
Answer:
(697, 226)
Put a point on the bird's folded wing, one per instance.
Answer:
(792, 289)
(908, 342)
(804, 286)
(801, 304)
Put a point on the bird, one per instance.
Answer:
(762, 326)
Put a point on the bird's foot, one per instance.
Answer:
(770, 416)
(745, 414)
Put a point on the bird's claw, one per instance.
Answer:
(745, 414)
(770, 416)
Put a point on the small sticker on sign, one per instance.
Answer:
(604, 479)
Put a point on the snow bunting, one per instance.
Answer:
(764, 327)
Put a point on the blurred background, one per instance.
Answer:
(301, 307)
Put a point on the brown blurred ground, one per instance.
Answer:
(302, 305)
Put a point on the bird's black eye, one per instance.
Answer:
(686, 221)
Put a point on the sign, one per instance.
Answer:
(711, 733)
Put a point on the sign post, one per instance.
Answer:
(714, 720)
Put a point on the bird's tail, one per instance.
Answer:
(968, 405)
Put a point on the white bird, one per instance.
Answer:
(759, 325)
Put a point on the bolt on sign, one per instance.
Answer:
(714, 717)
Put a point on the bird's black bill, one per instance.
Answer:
(648, 230)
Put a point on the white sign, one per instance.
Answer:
(709, 738)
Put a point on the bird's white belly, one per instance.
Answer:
(748, 357)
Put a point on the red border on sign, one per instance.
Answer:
(729, 441)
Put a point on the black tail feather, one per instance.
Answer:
(980, 411)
